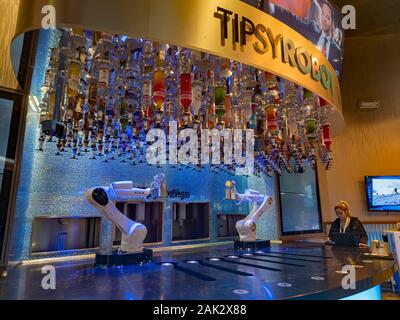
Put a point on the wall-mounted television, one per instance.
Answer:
(383, 193)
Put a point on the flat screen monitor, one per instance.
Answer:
(383, 193)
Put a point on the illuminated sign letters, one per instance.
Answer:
(265, 41)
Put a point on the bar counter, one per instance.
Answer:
(288, 271)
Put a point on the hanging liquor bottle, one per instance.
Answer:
(310, 127)
(103, 61)
(211, 116)
(116, 127)
(248, 84)
(50, 75)
(311, 130)
(49, 98)
(236, 79)
(91, 101)
(171, 94)
(272, 123)
(74, 99)
(197, 87)
(325, 128)
(78, 117)
(273, 84)
(235, 114)
(101, 117)
(133, 85)
(90, 116)
(246, 107)
(220, 94)
(147, 85)
(50, 80)
(185, 95)
(310, 122)
(197, 94)
(123, 121)
(121, 117)
(108, 128)
(147, 105)
(261, 127)
(326, 152)
(226, 119)
(291, 120)
(235, 120)
(159, 87)
(327, 136)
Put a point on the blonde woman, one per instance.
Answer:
(345, 223)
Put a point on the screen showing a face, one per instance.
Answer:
(317, 20)
(383, 193)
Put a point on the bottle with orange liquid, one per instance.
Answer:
(185, 86)
(159, 87)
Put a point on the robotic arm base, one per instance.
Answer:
(251, 246)
(124, 259)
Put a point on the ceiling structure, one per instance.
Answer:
(374, 17)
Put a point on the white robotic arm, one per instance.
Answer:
(104, 198)
(261, 203)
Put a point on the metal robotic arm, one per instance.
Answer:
(261, 203)
(104, 198)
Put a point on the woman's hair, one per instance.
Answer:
(343, 205)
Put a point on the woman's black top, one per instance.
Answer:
(355, 227)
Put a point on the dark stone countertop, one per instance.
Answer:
(289, 271)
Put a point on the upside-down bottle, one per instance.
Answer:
(186, 91)
(197, 85)
(310, 123)
(101, 115)
(327, 136)
(75, 67)
(104, 62)
(292, 124)
(211, 116)
(123, 115)
(185, 86)
(307, 108)
(219, 95)
(246, 103)
(311, 131)
(74, 77)
(147, 84)
(235, 114)
(228, 108)
(159, 86)
(253, 119)
(272, 121)
(146, 101)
